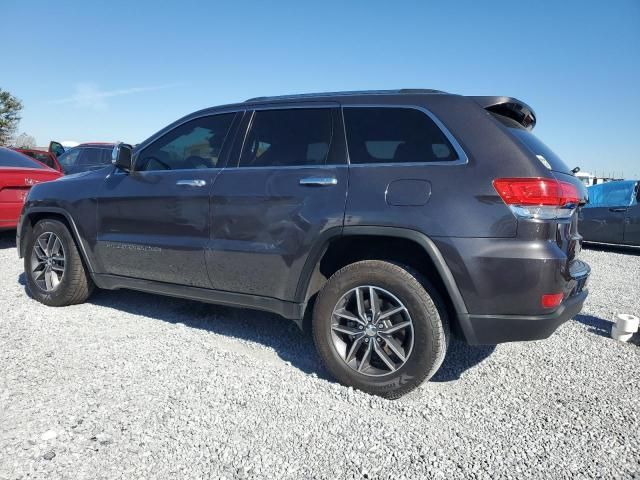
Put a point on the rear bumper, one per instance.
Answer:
(492, 329)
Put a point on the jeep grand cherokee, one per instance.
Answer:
(389, 219)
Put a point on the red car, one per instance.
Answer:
(18, 173)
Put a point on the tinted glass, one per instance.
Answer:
(41, 157)
(288, 137)
(196, 144)
(612, 194)
(394, 135)
(69, 158)
(533, 143)
(10, 158)
(94, 157)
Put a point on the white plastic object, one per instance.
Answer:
(621, 336)
(626, 323)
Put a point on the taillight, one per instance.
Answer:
(540, 198)
(551, 300)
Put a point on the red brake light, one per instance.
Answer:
(552, 300)
(536, 191)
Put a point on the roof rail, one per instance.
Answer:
(345, 94)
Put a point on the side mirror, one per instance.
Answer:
(56, 148)
(121, 156)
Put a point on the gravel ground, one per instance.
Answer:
(133, 385)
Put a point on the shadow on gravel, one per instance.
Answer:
(461, 357)
(271, 330)
(602, 327)
(596, 325)
(7, 239)
(282, 335)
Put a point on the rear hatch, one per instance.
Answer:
(519, 120)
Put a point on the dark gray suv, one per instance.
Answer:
(388, 220)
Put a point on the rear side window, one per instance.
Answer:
(395, 135)
(10, 158)
(69, 158)
(534, 144)
(294, 137)
(41, 157)
(612, 194)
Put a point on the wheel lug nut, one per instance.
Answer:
(361, 327)
(366, 340)
(379, 339)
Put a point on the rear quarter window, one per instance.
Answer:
(395, 135)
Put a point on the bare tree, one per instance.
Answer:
(10, 108)
(24, 140)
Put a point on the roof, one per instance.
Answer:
(302, 96)
(97, 144)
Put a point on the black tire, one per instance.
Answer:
(427, 312)
(75, 284)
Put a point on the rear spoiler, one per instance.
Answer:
(509, 107)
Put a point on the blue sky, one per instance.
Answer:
(122, 70)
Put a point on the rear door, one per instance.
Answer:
(153, 223)
(603, 218)
(285, 187)
(632, 220)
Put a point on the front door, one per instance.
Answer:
(287, 189)
(153, 223)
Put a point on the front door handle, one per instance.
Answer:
(192, 183)
(318, 181)
(618, 209)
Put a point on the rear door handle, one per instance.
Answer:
(192, 183)
(618, 209)
(318, 181)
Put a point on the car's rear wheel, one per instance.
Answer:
(55, 273)
(380, 327)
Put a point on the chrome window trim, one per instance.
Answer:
(462, 156)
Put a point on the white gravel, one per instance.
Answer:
(133, 385)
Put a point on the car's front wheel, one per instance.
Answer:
(53, 267)
(380, 328)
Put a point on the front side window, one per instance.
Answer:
(295, 137)
(612, 194)
(395, 135)
(69, 158)
(194, 145)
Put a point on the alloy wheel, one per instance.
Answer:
(372, 331)
(48, 261)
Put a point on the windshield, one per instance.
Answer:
(534, 144)
(11, 158)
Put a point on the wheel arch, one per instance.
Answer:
(36, 214)
(415, 250)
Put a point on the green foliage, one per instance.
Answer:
(10, 108)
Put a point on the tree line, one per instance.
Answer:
(10, 109)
